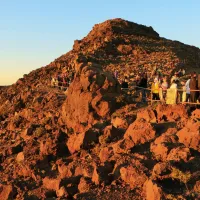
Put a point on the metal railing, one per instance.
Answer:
(150, 93)
(178, 97)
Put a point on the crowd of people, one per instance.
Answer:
(62, 81)
(186, 86)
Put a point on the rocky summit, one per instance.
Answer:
(92, 141)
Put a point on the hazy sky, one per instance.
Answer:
(35, 32)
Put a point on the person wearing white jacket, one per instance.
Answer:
(187, 87)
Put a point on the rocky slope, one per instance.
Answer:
(89, 144)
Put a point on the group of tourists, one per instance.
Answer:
(62, 81)
(186, 87)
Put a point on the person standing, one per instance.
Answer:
(164, 87)
(143, 84)
(116, 74)
(174, 78)
(125, 83)
(155, 89)
(173, 85)
(183, 72)
(193, 86)
(187, 88)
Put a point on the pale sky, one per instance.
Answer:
(33, 33)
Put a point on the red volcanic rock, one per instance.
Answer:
(25, 171)
(160, 151)
(105, 154)
(119, 122)
(161, 170)
(179, 153)
(75, 141)
(95, 176)
(171, 112)
(135, 177)
(66, 171)
(27, 114)
(51, 183)
(62, 192)
(163, 144)
(46, 147)
(84, 140)
(20, 157)
(83, 185)
(196, 114)
(147, 114)
(110, 134)
(152, 191)
(197, 186)
(123, 146)
(6, 192)
(190, 135)
(140, 132)
(91, 95)
(101, 173)
(125, 49)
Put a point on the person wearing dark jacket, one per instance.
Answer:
(143, 84)
(125, 83)
(193, 86)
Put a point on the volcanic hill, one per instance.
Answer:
(89, 142)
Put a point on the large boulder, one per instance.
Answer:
(196, 114)
(163, 144)
(6, 192)
(152, 191)
(134, 176)
(84, 140)
(178, 154)
(190, 135)
(171, 112)
(140, 132)
(161, 170)
(84, 185)
(105, 154)
(51, 183)
(147, 114)
(110, 134)
(90, 96)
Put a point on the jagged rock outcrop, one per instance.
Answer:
(91, 97)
